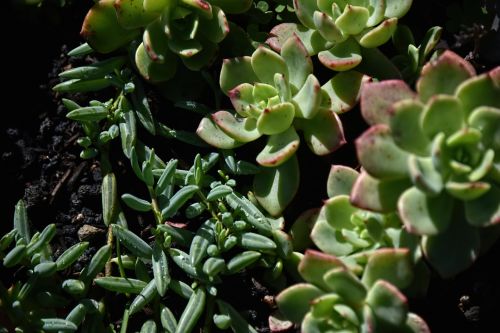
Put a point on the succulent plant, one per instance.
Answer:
(171, 29)
(333, 299)
(341, 229)
(434, 156)
(278, 95)
(339, 30)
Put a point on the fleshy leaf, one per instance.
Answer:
(240, 129)
(468, 190)
(327, 28)
(242, 98)
(101, 28)
(410, 138)
(353, 20)
(425, 215)
(315, 264)
(391, 265)
(485, 210)
(344, 283)
(454, 250)
(344, 90)
(338, 211)
(329, 240)
(301, 229)
(341, 57)
(323, 134)
(424, 176)
(443, 75)
(305, 10)
(479, 91)
(311, 39)
(276, 119)
(379, 155)
(294, 301)
(376, 195)
(377, 99)
(211, 134)
(297, 60)
(153, 71)
(131, 14)
(236, 71)
(442, 114)
(397, 8)
(340, 180)
(275, 188)
(266, 63)
(155, 43)
(279, 148)
(379, 35)
(216, 28)
(487, 121)
(308, 99)
(389, 305)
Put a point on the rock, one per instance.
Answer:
(88, 232)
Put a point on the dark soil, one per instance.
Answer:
(40, 162)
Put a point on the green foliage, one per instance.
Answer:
(440, 157)
(332, 298)
(338, 30)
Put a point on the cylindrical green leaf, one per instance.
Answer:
(242, 260)
(15, 256)
(253, 241)
(166, 177)
(109, 198)
(192, 312)
(178, 199)
(21, 221)
(56, 324)
(73, 287)
(71, 255)
(76, 315)
(160, 269)
(94, 71)
(214, 266)
(219, 192)
(136, 203)
(203, 238)
(96, 264)
(45, 269)
(45, 237)
(168, 320)
(76, 85)
(148, 327)
(7, 239)
(147, 294)
(120, 284)
(88, 113)
(133, 242)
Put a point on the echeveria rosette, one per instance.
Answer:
(344, 230)
(333, 299)
(277, 95)
(339, 30)
(172, 29)
(434, 156)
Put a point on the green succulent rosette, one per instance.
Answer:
(277, 95)
(188, 30)
(344, 230)
(340, 31)
(434, 156)
(333, 299)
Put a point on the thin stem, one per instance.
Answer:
(108, 267)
